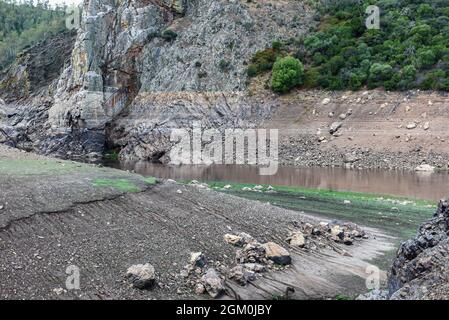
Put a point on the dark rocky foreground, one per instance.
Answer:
(420, 270)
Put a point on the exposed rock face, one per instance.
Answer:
(421, 268)
(26, 89)
(138, 66)
(35, 69)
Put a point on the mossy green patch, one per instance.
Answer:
(40, 167)
(124, 185)
(149, 180)
(399, 216)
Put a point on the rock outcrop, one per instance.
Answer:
(421, 267)
(139, 68)
(36, 69)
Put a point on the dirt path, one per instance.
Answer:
(53, 221)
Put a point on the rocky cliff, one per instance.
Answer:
(137, 65)
(421, 268)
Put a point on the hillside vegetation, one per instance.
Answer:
(410, 50)
(24, 24)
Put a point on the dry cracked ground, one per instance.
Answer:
(56, 214)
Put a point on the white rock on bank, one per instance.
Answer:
(326, 101)
(425, 167)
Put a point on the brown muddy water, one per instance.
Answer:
(420, 185)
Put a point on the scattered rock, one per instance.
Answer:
(276, 253)
(58, 291)
(246, 237)
(411, 125)
(233, 239)
(347, 202)
(251, 252)
(326, 101)
(212, 282)
(242, 275)
(256, 267)
(199, 288)
(334, 127)
(197, 259)
(297, 239)
(141, 276)
(426, 126)
(228, 186)
(342, 116)
(337, 231)
(350, 158)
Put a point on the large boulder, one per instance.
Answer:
(276, 253)
(141, 276)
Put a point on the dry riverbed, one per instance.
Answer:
(57, 214)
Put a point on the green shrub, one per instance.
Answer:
(379, 73)
(288, 72)
(262, 61)
(311, 77)
(343, 53)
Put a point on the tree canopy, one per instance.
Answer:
(26, 23)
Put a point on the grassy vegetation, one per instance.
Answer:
(124, 185)
(410, 50)
(26, 23)
(40, 167)
(398, 216)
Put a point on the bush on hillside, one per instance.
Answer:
(287, 73)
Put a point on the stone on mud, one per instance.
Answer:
(297, 239)
(242, 275)
(197, 259)
(276, 253)
(334, 127)
(213, 283)
(233, 239)
(141, 276)
(252, 252)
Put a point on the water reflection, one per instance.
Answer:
(432, 186)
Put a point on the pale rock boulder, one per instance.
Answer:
(141, 276)
(276, 253)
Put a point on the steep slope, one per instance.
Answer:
(148, 48)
